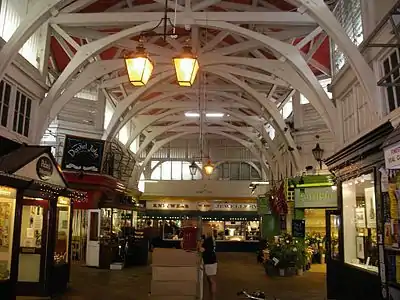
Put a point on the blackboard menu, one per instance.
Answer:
(299, 228)
(82, 154)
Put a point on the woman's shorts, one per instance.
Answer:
(211, 270)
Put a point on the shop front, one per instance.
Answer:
(355, 231)
(35, 223)
(310, 204)
(105, 222)
(236, 224)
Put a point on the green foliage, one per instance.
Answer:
(290, 252)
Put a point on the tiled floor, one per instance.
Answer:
(235, 271)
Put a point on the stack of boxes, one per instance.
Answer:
(176, 275)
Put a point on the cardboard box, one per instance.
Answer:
(175, 257)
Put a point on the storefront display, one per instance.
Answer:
(359, 223)
(354, 231)
(35, 214)
(7, 215)
(233, 222)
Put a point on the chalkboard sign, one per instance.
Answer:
(82, 154)
(299, 228)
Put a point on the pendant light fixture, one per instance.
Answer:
(186, 67)
(208, 168)
(139, 66)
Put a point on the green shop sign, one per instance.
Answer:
(315, 197)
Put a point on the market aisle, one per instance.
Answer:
(236, 271)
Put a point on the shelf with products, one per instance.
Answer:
(390, 201)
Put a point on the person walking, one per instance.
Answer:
(207, 248)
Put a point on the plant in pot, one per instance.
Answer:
(301, 258)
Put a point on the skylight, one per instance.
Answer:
(208, 115)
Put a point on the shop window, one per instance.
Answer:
(7, 213)
(22, 114)
(392, 91)
(62, 230)
(5, 95)
(359, 222)
(32, 240)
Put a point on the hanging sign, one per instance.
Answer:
(234, 207)
(82, 154)
(200, 206)
(392, 157)
(178, 205)
(315, 197)
(44, 168)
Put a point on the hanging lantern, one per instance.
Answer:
(193, 168)
(186, 67)
(139, 66)
(318, 153)
(208, 168)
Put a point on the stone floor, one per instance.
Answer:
(235, 271)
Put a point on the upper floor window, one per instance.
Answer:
(348, 14)
(5, 95)
(22, 113)
(392, 84)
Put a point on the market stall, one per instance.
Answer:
(236, 224)
(104, 223)
(35, 219)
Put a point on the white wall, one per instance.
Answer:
(22, 76)
(202, 188)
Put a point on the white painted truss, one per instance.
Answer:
(246, 53)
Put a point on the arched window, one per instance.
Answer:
(173, 170)
(141, 183)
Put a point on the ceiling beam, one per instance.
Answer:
(129, 18)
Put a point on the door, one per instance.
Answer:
(333, 262)
(33, 245)
(93, 238)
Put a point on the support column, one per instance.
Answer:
(270, 226)
(101, 110)
(297, 110)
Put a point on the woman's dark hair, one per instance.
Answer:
(148, 223)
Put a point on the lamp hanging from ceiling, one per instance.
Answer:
(318, 153)
(193, 168)
(139, 66)
(208, 168)
(186, 67)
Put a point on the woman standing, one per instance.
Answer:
(207, 247)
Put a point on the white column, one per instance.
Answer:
(101, 110)
(297, 110)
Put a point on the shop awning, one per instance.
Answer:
(391, 148)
